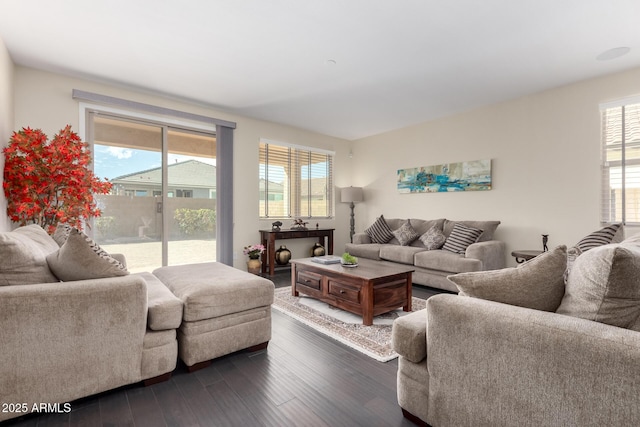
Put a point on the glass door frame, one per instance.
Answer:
(166, 124)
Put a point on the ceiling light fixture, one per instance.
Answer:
(614, 53)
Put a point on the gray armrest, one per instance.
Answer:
(165, 309)
(491, 253)
(409, 336)
(56, 332)
(553, 369)
(361, 238)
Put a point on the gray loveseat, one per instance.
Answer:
(541, 354)
(433, 266)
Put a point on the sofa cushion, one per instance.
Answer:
(433, 238)
(460, 238)
(160, 338)
(24, 256)
(379, 231)
(422, 226)
(604, 285)
(401, 254)
(81, 258)
(366, 250)
(536, 284)
(361, 238)
(164, 308)
(405, 234)
(213, 289)
(446, 261)
(395, 223)
(635, 239)
(488, 228)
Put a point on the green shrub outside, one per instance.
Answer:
(105, 225)
(192, 221)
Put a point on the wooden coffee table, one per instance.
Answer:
(370, 289)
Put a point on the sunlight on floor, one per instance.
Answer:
(147, 256)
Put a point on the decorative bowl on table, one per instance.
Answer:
(348, 260)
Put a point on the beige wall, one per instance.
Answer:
(545, 152)
(6, 119)
(44, 100)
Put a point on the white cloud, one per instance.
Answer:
(119, 152)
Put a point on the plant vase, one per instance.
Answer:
(254, 266)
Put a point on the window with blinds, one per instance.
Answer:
(295, 182)
(621, 162)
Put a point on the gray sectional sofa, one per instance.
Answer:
(65, 335)
(433, 266)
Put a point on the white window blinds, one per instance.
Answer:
(295, 182)
(621, 162)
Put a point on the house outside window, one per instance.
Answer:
(621, 161)
(295, 181)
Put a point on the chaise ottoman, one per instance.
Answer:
(225, 310)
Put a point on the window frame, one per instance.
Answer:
(612, 211)
(295, 203)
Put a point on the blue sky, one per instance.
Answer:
(110, 162)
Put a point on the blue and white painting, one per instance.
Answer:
(462, 176)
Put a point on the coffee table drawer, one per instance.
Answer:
(344, 291)
(309, 280)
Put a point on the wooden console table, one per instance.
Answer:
(269, 237)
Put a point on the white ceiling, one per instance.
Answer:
(397, 62)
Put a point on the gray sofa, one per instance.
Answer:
(574, 360)
(433, 266)
(63, 340)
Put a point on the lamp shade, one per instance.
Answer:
(351, 194)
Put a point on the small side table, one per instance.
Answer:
(524, 255)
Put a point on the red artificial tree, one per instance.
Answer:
(47, 182)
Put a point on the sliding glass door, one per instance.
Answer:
(191, 197)
(162, 207)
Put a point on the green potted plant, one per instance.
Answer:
(348, 260)
(50, 181)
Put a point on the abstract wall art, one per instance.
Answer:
(462, 176)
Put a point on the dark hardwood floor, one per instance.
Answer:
(303, 379)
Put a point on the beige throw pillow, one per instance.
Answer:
(604, 286)
(23, 252)
(536, 284)
(61, 233)
(405, 234)
(433, 238)
(81, 258)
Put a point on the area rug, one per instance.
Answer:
(374, 340)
